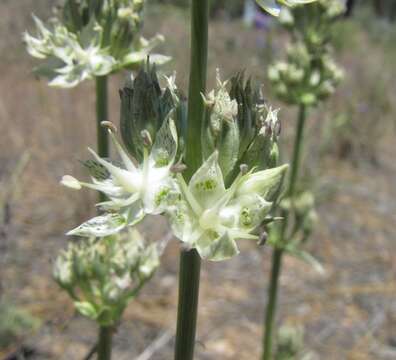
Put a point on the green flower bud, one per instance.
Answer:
(144, 108)
(63, 272)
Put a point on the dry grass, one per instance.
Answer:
(350, 313)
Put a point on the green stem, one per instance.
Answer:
(104, 344)
(278, 251)
(190, 261)
(197, 85)
(102, 115)
(295, 165)
(272, 302)
(75, 15)
(189, 274)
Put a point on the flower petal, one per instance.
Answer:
(164, 150)
(207, 184)
(100, 226)
(217, 249)
(263, 183)
(270, 5)
(128, 180)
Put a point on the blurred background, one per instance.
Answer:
(347, 313)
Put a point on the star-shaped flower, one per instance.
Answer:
(132, 190)
(210, 217)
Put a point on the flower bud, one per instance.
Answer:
(144, 107)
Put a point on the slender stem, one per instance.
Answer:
(190, 261)
(272, 302)
(295, 166)
(102, 115)
(104, 344)
(278, 251)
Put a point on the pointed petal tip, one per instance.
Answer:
(70, 182)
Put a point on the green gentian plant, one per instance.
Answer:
(212, 209)
(308, 76)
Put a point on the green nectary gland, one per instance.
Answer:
(246, 217)
(207, 185)
(162, 195)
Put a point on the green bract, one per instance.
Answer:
(103, 275)
(274, 7)
(210, 217)
(87, 39)
(145, 106)
(132, 190)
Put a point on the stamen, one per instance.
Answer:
(109, 126)
(178, 168)
(147, 140)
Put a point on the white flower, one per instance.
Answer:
(210, 217)
(132, 190)
(274, 7)
(70, 57)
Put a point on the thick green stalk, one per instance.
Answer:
(197, 85)
(102, 115)
(278, 252)
(104, 343)
(189, 274)
(190, 262)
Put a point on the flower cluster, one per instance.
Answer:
(86, 39)
(309, 74)
(275, 7)
(303, 78)
(227, 198)
(103, 275)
